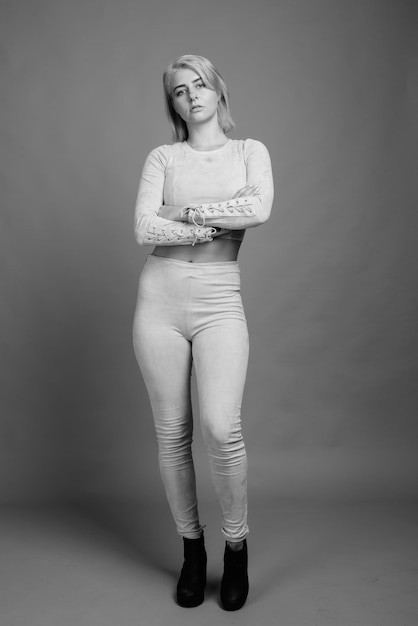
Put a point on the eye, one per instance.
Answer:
(178, 93)
(200, 85)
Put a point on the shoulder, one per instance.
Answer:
(254, 146)
(165, 152)
(159, 153)
(160, 156)
(251, 148)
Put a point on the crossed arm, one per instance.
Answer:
(231, 214)
(156, 223)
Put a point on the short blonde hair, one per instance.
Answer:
(211, 77)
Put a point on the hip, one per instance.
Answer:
(189, 295)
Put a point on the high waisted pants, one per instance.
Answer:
(192, 313)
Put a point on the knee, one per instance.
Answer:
(174, 434)
(222, 427)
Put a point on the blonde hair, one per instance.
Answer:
(211, 77)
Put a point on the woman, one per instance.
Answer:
(196, 198)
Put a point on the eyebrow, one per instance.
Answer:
(196, 80)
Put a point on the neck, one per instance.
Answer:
(206, 137)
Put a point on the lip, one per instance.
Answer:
(198, 107)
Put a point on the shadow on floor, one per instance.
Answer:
(139, 530)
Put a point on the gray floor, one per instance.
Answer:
(351, 565)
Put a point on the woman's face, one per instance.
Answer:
(192, 100)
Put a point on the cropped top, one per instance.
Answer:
(185, 194)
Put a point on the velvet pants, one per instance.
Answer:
(191, 315)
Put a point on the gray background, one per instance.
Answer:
(329, 284)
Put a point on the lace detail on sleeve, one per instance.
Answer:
(198, 213)
(178, 235)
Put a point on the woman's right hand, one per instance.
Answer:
(248, 190)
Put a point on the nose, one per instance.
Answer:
(192, 95)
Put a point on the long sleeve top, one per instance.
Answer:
(202, 185)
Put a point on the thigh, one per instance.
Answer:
(220, 356)
(165, 359)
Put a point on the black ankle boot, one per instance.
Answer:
(234, 585)
(192, 581)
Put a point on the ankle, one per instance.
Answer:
(235, 546)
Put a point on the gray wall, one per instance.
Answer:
(329, 283)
